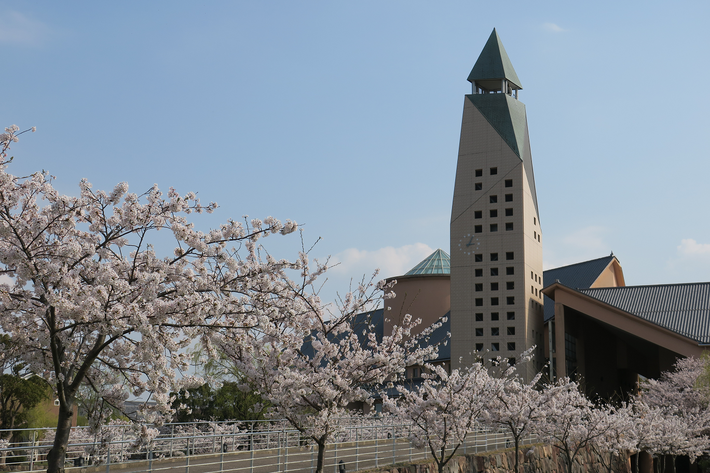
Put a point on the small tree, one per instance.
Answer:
(227, 402)
(90, 302)
(517, 408)
(313, 364)
(20, 391)
(445, 408)
(571, 422)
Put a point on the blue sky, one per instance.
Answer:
(346, 116)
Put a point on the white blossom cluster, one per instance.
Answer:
(92, 303)
(311, 364)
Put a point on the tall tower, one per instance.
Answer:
(496, 240)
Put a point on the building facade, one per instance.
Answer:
(496, 238)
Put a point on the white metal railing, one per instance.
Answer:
(254, 447)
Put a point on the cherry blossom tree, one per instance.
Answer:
(445, 408)
(681, 389)
(617, 439)
(517, 408)
(313, 364)
(90, 301)
(672, 412)
(571, 421)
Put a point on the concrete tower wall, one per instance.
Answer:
(496, 242)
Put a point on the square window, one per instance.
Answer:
(508, 183)
(534, 220)
(511, 315)
(479, 332)
(479, 346)
(494, 271)
(532, 289)
(478, 186)
(479, 302)
(478, 214)
(510, 285)
(508, 226)
(494, 286)
(510, 331)
(494, 316)
(479, 287)
(538, 238)
(494, 331)
(478, 229)
(495, 347)
(479, 272)
(493, 213)
(479, 172)
(494, 301)
(534, 235)
(511, 360)
(494, 171)
(493, 199)
(494, 227)
(511, 347)
(532, 275)
(508, 197)
(510, 255)
(510, 270)
(478, 257)
(479, 317)
(494, 256)
(510, 300)
(508, 212)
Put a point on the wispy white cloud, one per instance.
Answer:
(554, 28)
(19, 29)
(391, 261)
(691, 248)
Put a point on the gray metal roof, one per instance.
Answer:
(577, 276)
(681, 308)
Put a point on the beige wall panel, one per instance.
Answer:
(481, 147)
(424, 297)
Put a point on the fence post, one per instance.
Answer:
(221, 455)
(150, 459)
(172, 436)
(394, 446)
(33, 452)
(108, 457)
(377, 438)
(251, 448)
(357, 448)
(187, 457)
(335, 462)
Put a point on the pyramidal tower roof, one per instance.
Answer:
(436, 263)
(494, 64)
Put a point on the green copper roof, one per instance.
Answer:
(436, 263)
(493, 63)
(506, 115)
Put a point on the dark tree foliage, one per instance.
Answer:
(228, 402)
(20, 391)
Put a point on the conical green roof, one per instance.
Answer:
(436, 263)
(493, 63)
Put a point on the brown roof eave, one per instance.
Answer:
(549, 291)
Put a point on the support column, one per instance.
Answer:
(560, 340)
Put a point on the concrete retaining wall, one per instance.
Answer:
(537, 459)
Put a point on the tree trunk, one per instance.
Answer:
(321, 455)
(516, 439)
(57, 455)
